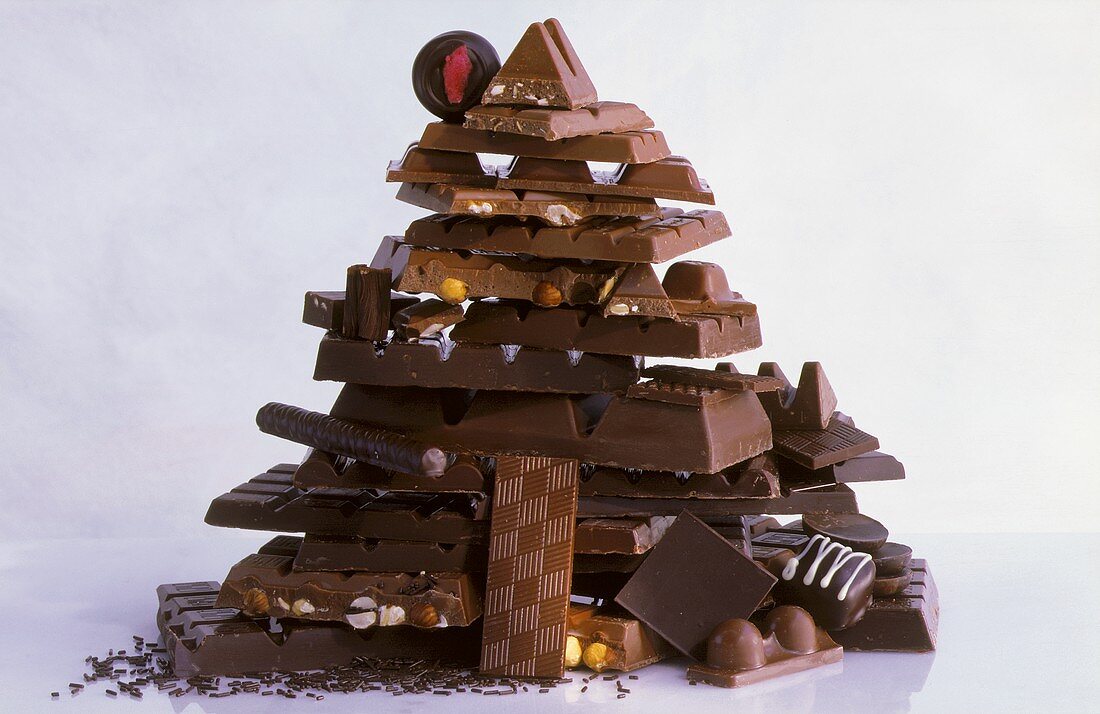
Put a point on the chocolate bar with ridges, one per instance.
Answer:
(374, 555)
(581, 328)
(907, 622)
(464, 475)
(530, 567)
(834, 499)
(270, 502)
(555, 124)
(754, 478)
(816, 449)
(672, 178)
(632, 147)
(713, 378)
(665, 235)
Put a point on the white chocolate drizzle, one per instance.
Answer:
(844, 554)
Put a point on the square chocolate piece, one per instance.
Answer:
(693, 580)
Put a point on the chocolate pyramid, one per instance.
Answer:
(501, 445)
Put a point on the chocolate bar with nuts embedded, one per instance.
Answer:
(268, 585)
(906, 622)
(543, 71)
(466, 474)
(555, 124)
(270, 502)
(439, 363)
(373, 555)
(582, 328)
(610, 642)
(555, 208)
(632, 147)
(201, 639)
(834, 499)
(665, 235)
(605, 429)
(543, 282)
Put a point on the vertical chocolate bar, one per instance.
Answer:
(530, 567)
(367, 303)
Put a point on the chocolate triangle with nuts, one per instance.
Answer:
(542, 71)
(639, 292)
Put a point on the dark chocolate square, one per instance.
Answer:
(693, 580)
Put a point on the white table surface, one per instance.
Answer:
(1019, 631)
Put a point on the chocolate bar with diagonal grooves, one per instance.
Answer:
(530, 567)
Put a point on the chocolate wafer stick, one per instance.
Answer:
(377, 446)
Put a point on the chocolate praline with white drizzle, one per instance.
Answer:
(831, 581)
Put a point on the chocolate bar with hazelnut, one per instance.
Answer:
(268, 585)
(555, 124)
(664, 235)
(271, 502)
(632, 147)
(583, 328)
(613, 642)
(202, 639)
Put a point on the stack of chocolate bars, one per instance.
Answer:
(509, 477)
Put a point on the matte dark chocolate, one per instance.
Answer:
(451, 71)
(554, 124)
(907, 622)
(632, 147)
(367, 303)
(542, 71)
(854, 530)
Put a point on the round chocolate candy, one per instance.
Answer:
(793, 627)
(736, 645)
(451, 72)
(854, 530)
(892, 559)
(892, 584)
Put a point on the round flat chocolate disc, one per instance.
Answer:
(893, 584)
(892, 558)
(451, 72)
(854, 530)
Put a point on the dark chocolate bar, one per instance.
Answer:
(464, 475)
(324, 309)
(372, 555)
(810, 406)
(907, 622)
(630, 536)
(751, 479)
(834, 499)
(554, 124)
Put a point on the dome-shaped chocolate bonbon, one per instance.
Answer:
(736, 645)
(793, 627)
(451, 71)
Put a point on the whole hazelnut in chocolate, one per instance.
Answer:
(423, 614)
(735, 645)
(793, 627)
(546, 294)
(453, 291)
(255, 602)
(452, 71)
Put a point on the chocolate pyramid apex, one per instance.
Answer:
(543, 71)
(809, 407)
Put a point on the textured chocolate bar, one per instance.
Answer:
(907, 622)
(604, 429)
(507, 276)
(673, 178)
(629, 536)
(812, 449)
(833, 499)
(464, 475)
(270, 502)
(443, 364)
(372, 555)
(632, 147)
(686, 394)
(324, 309)
(203, 640)
(741, 481)
(556, 208)
(268, 585)
(367, 303)
(543, 71)
(628, 644)
(714, 378)
(580, 328)
(663, 236)
(554, 124)
(530, 567)
(872, 466)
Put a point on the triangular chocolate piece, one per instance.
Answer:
(808, 407)
(639, 292)
(542, 71)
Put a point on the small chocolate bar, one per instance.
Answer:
(466, 474)
(832, 499)
(632, 147)
(630, 536)
(373, 555)
(554, 124)
(602, 641)
(906, 622)
(754, 478)
(816, 449)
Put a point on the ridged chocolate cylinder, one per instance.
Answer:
(376, 446)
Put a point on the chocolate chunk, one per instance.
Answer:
(555, 208)
(554, 124)
(723, 376)
(367, 303)
(854, 530)
(639, 292)
(425, 319)
(581, 328)
(267, 585)
(738, 654)
(697, 288)
(691, 581)
(817, 449)
(907, 622)
(530, 567)
(892, 559)
(203, 640)
(632, 147)
(324, 309)
(319, 468)
(665, 235)
(830, 580)
(444, 364)
(809, 407)
(623, 644)
(620, 535)
(372, 555)
(270, 502)
(604, 429)
(451, 71)
(543, 71)
(376, 446)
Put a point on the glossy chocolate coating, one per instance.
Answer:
(832, 582)
(428, 73)
(736, 644)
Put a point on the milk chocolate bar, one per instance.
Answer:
(672, 178)
(834, 499)
(425, 319)
(639, 292)
(698, 288)
(581, 328)
(664, 235)
(741, 481)
(268, 585)
(540, 281)
(604, 429)
(816, 449)
(623, 644)
(810, 406)
(530, 567)
(373, 555)
(270, 502)
(871, 466)
(907, 622)
(554, 124)
(543, 71)
(555, 208)
(463, 475)
(631, 536)
(717, 378)
(430, 166)
(632, 147)
(201, 639)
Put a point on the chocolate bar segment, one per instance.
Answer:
(834, 499)
(554, 124)
(622, 644)
(373, 555)
(530, 567)
(907, 622)
(425, 319)
(463, 475)
(698, 288)
(639, 292)
(672, 178)
(738, 481)
(632, 147)
(367, 303)
(430, 166)
(324, 310)
(268, 585)
(555, 208)
(816, 449)
(810, 406)
(581, 328)
(717, 378)
(665, 235)
(543, 71)
(631, 536)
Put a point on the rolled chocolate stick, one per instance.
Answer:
(377, 446)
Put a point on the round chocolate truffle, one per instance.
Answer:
(451, 72)
(793, 627)
(855, 530)
(735, 645)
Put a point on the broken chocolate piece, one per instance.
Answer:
(871, 466)
(555, 208)
(808, 407)
(673, 177)
(554, 124)
(372, 555)
(697, 288)
(464, 475)
(543, 71)
(734, 482)
(639, 292)
(622, 644)
(367, 303)
(835, 499)
(723, 376)
(324, 309)
(630, 536)
(632, 147)
(425, 319)
(451, 71)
